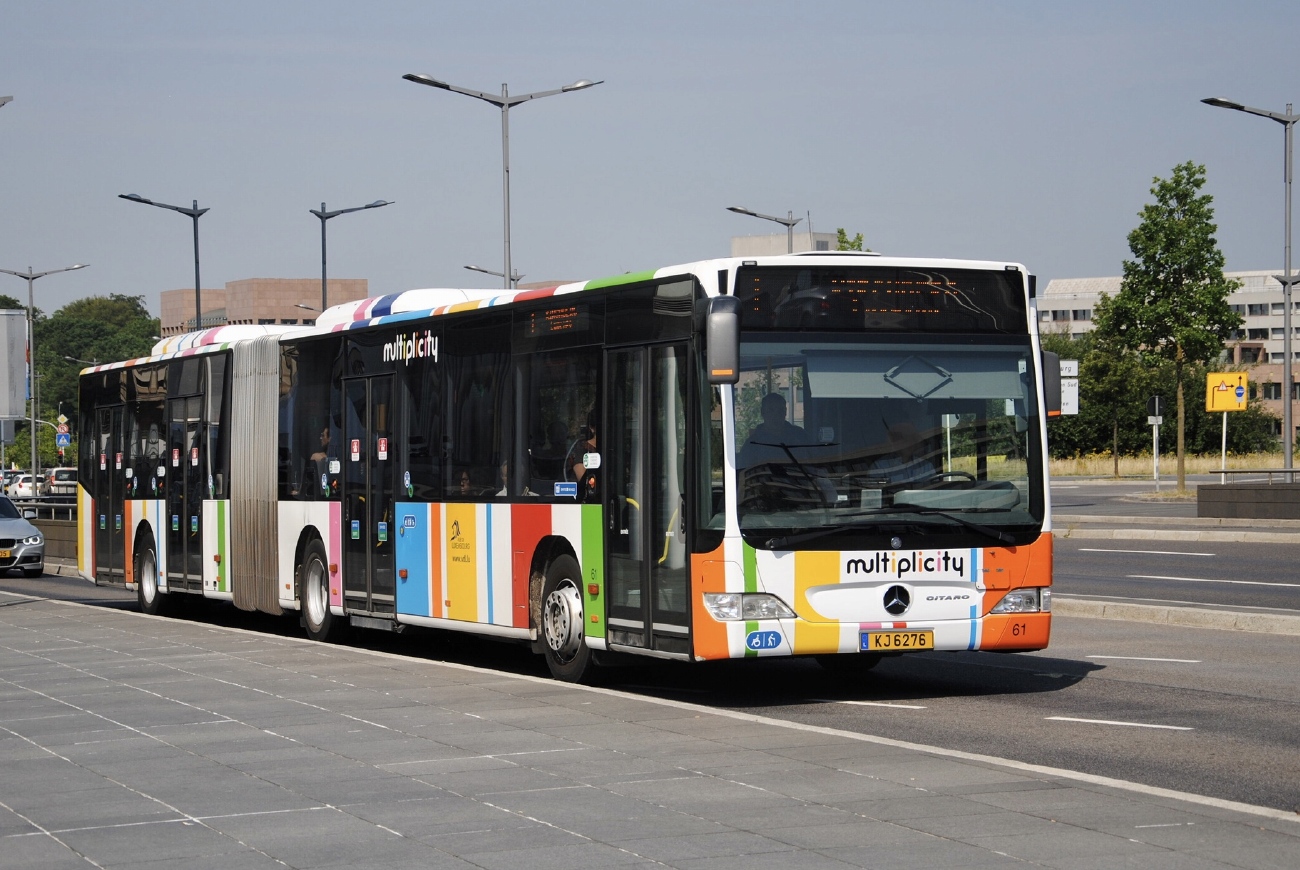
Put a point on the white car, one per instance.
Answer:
(21, 487)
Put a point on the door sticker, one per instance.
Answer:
(355, 452)
(383, 532)
(383, 448)
(356, 530)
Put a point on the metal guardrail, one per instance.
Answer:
(48, 508)
(1287, 474)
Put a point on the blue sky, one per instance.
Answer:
(1025, 131)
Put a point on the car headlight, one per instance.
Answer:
(33, 540)
(1025, 601)
(731, 606)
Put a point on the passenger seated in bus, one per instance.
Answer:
(767, 441)
(906, 460)
(504, 492)
(548, 458)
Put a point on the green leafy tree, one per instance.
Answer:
(10, 302)
(844, 243)
(93, 329)
(1173, 302)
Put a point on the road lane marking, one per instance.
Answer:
(1212, 580)
(1114, 722)
(1143, 659)
(1147, 552)
(869, 704)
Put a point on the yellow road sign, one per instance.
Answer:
(1226, 391)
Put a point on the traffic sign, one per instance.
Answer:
(63, 418)
(1226, 391)
(63, 439)
(62, 428)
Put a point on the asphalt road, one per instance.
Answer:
(1198, 710)
(1241, 576)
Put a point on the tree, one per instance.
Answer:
(1173, 301)
(844, 243)
(10, 302)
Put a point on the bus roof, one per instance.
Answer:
(425, 302)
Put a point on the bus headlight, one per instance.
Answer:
(1025, 601)
(731, 606)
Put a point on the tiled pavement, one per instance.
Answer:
(132, 741)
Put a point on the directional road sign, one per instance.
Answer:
(1225, 391)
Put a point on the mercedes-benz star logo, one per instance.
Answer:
(897, 600)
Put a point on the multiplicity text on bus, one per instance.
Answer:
(832, 455)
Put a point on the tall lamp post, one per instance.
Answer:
(326, 215)
(514, 277)
(1287, 120)
(503, 102)
(194, 214)
(789, 220)
(31, 277)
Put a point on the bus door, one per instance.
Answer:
(110, 497)
(643, 472)
(184, 494)
(369, 462)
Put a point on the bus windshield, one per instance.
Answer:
(846, 440)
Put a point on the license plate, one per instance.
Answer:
(897, 641)
(5, 554)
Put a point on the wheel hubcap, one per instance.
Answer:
(315, 593)
(562, 621)
(148, 578)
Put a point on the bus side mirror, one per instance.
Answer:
(1051, 384)
(722, 340)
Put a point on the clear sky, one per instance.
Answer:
(1025, 131)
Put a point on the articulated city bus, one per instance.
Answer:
(834, 455)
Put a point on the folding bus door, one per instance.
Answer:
(643, 460)
(184, 494)
(369, 462)
(110, 495)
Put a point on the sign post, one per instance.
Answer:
(1225, 391)
(1069, 387)
(1154, 419)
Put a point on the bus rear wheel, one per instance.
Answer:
(314, 594)
(567, 653)
(146, 580)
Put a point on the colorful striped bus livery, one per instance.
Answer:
(835, 455)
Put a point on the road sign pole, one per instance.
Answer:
(1223, 476)
(1155, 453)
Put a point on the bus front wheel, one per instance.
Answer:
(314, 593)
(567, 654)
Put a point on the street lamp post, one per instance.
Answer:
(504, 102)
(31, 277)
(789, 220)
(194, 214)
(514, 277)
(1287, 120)
(326, 215)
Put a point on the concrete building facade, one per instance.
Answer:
(256, 301)
(1067, 306)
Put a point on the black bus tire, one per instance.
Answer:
(314, 594)
(567, 654)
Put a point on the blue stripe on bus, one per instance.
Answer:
(973, 625)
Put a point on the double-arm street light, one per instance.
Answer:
(326, 215)
(31, 277)
(514, 277)
(503, 102)
(1287, 120)
(194, 214)
(789, 220)
(4, 100)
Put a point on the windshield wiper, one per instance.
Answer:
(821, 491)
(803, 538)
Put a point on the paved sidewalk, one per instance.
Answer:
(135, 741)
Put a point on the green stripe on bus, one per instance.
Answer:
(751, 567)
(593, 569)
(750, 628)
(222, 566)
(617, 280)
